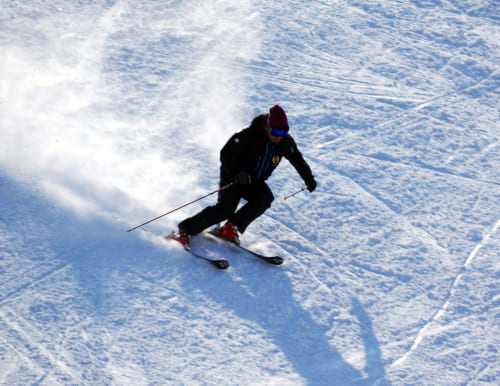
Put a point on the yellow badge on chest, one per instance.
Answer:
(276, 160)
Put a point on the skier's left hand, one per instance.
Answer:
(311, 184)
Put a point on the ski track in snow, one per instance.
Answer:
(35, 354)
(423, 331)
(31, 283)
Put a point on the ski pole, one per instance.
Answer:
(293, 194)
(182, 206)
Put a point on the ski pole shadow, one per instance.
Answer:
(374, 367)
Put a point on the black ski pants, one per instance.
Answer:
(258, 198)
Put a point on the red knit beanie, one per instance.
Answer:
(277, 118)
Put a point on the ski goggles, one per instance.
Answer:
(278, 132)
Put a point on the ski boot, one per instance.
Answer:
(181, 237)
(228, 232)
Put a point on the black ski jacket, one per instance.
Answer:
(251, 151)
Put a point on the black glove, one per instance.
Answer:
(311, 184)
(242, 178)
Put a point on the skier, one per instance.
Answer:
(248, 159)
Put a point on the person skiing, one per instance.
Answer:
(248, 159)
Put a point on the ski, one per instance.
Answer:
(274, 260)
(218, 263)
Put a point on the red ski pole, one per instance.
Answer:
(182, 206)
(293, 194)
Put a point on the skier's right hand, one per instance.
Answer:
(242, 178)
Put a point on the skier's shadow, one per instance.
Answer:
(265, 297)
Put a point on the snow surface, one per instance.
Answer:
(113, 112)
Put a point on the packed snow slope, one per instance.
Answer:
(113, 112)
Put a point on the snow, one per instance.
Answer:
(113, 112)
